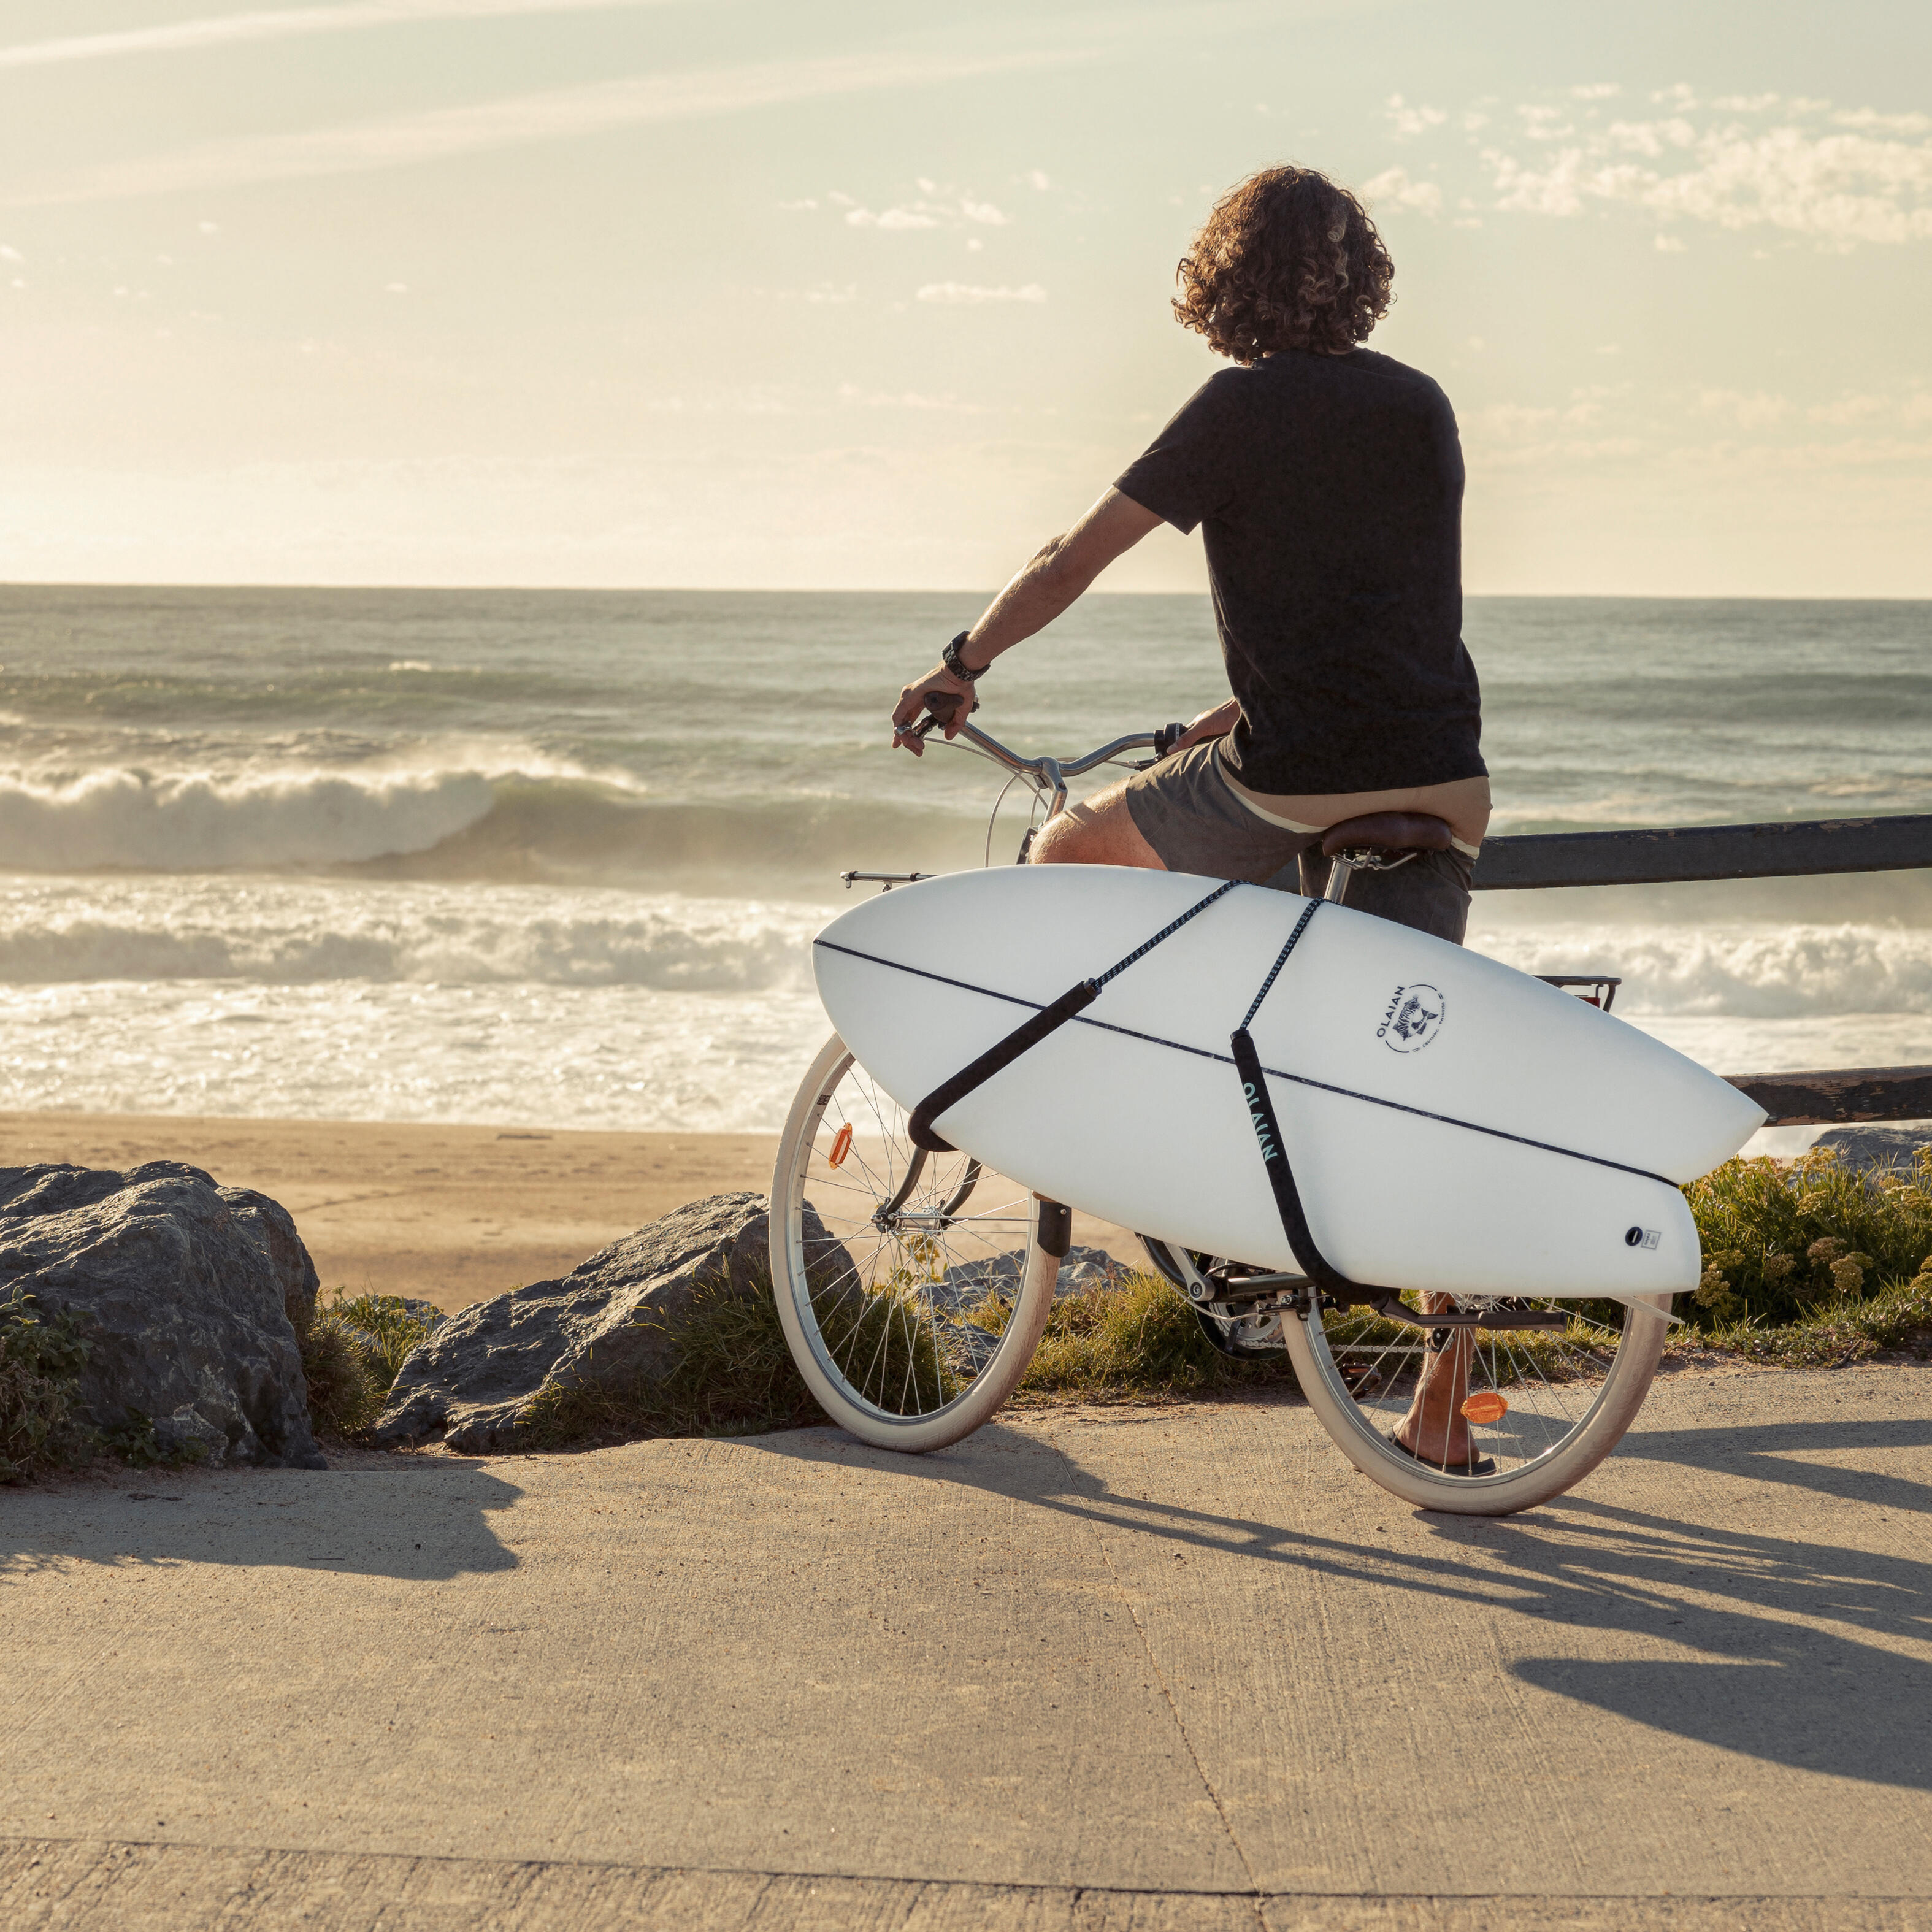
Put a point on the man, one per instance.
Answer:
(1327, 481)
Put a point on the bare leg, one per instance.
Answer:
(1434, 1427)
(1100, 831)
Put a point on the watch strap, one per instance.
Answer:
(953, 662)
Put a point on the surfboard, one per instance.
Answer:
(1452, 1124)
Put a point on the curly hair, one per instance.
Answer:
(1286, 260)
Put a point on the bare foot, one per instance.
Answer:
(1434, 1429)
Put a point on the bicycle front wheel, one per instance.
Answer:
(913, 1287)
(1544, 1406)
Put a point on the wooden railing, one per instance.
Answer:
(1680, 854)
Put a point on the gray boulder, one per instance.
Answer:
(1081, 1270)
(189, 1295)
(1877, 1147)
(468, 1383)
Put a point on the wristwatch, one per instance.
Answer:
(953, 662)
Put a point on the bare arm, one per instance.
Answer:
(1050, 580)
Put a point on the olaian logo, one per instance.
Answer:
(1269, 1151)
(1413, 1018)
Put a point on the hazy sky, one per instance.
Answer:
(642, 292)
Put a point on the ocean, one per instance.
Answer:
(553, 859)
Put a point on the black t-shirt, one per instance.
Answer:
(1330, 488)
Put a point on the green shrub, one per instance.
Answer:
(1787, 1243)
(351, 1351)
(41, 1361)
(1900, 1316)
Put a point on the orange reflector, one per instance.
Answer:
(841, 1146)
(1486, 1406)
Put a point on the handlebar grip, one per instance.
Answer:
(943, 706)
(1164, 739)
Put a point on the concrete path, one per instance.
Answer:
(1175, 1669)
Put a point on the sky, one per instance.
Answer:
(854, 294)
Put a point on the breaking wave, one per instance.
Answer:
(1756, 973)
(454, 824)
(289, 933)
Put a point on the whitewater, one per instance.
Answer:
(555, 859)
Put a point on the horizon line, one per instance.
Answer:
(7, 584)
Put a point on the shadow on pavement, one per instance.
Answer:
(423, 1524)
(1796, 1648)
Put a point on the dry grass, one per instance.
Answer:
(1139, 1340)
(351, 1351)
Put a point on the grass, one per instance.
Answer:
(351, 1350)
(41, 1361)
(1139, 1341)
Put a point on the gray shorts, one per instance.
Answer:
(1186, 811)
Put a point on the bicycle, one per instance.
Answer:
(914, 1288)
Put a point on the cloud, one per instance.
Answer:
(1915, 407)
(971, 294)
(1757, 410)
(1393, 186)
(930, 213)
(1791, 171)
(560, 114)
(1407, 121)
(284, 23)
(892, 217)
(1671, 244)
(907, 399)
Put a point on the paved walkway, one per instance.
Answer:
(1177, 1668)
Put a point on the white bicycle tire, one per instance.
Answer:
(847, 1404)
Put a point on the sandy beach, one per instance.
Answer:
(452, 1214)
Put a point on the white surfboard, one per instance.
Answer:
(1452, 1124)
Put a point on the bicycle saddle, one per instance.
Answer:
(1388, 832)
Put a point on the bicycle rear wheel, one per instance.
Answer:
(913, 1287)
(1546, 1406)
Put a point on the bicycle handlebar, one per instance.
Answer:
(1052, 768)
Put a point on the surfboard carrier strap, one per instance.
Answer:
(1029, 1034)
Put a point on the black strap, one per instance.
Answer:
(1308, 1257)
(1002, 1053)
(1301, 1242)
(1031, 1032)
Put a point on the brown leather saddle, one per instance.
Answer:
(1379, 842)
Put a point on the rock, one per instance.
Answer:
(189, 1294)
(185, 1434)
(1081, 1270)
(468, 1382)
(1869, 1148)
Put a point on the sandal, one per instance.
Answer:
(1482, 1465)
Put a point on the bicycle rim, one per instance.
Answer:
(1543, 1407)
(912, 1285)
